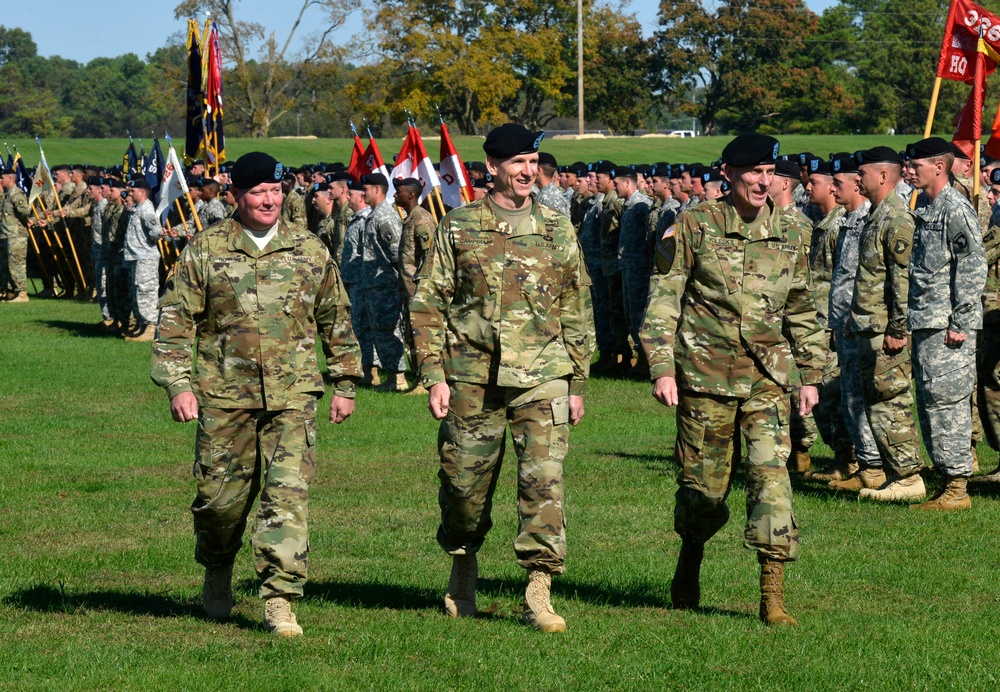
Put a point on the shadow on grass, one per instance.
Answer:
(82, 329)
(373, 595)
(44, 598)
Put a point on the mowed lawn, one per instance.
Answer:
(99, 589)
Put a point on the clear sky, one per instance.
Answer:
(82, 30)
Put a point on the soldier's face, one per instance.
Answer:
(696, 187)
(139, 195)
(7, 181)
(95, 192)
(925, 171)
(357, 200)
(604, 183)
(570, 180)
(993, 194)
(845, 187)
(323, 202)
(514, 176)
(686, 182)
(750, 184)
(675, 187)
(820, 188)
(260, 206)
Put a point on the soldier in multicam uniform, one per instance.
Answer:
(634, 256)
(142, 259)
(549, 193)
(947, 275)
(322, 202)
(733, 319)
(14, 215)
(861, 467)
(255, 294)
(214, 210)
(503, 329)
(381, 281)
(878, 326)
(293, 208)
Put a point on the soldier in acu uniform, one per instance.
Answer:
(730, 331)
(503, 329)
(255, 295)
(549, 193)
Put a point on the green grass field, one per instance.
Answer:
(294, 152)
(100, 590)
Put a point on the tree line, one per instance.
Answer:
(862, 66)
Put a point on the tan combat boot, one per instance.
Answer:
(217, 592)
(975, 460)
(842, 468)
(685, 589)
(144, 333)
(105, 325)
(800, 461)
(460, 601)
(953, 496)
(897, 490)
(279, 618)
(395, 382)
(772, 592)
(865, 478)
(21, 297)
(537, 604)
(371, 378)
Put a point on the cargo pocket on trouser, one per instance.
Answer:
(703, 476)
(891, 378)
(212, 460)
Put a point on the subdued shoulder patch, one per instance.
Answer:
(900, 247)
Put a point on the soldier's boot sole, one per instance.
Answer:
(685, 589)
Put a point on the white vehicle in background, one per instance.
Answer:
(682, 133)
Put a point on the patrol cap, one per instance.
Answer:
(932, 146)
(546, 159)
(139, 184)
(995, 176)
(321, 187)
(408, 182)
(843, 163)
(786, 169)
(375, 179)
(255, 168)
(819, 167)
(623, 172)
(878, 155)
(604, 167)
(750, 150)
(510, 140)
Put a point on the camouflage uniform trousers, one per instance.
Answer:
(709, 429)
(385, 312)
(238, 454)
(827, 418)
(118, 292)
(635, 293)
(144, 288)
(361, 326)
(471, 442)
(601, 304)
(852, 402)
(13, 264)
(100, 281)
(885, 380)
(945, 377)
(988, 382)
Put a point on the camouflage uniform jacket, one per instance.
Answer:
(212, 213)
(501, 305)
(948, 266)
(691, 201)
(341, 216)
(142, 232)
(801, 199)
(610, 228)
(845, 269)
(255, 315)
(723, 308)
(552, 197)
(418, 232)
(116, 236)
(590, 229)
(14, 214)
(577, 209)
(324, 230)
(97, 222)
(964, 185)
(880, 289)
(293, 210)
(632, 249)
(110, 220)
(350, 260)
(380, 247)
(822, 255)
(79, 204)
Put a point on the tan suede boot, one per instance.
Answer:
(772, 592)
(21, 297)
(279, 618)
(953, 496)
(143, 334)
(866, 478)
(217, 592)
(897, 490)
(537, 604)
(460, 600)
(799, 461)
(685, 589)
(841, 469)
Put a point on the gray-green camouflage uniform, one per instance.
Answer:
(14, 240)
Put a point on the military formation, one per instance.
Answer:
(774, 299)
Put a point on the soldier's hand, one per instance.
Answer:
(892, 345)
(62, 213)
(808, 398)
(576, 410)
(438, 400)
(665, 390)
(341, 409)
(955, 339)
(184, 407)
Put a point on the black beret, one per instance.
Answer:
(60, 167)
(819, 167)
(711, 175)
(6, 171)
(959, 154)
(408, 182)
(877, 155)
(77, 167)
(787, 169)
(843, 163)
(804, 157)
(195, 181)
(546, 159)
(95, 180)
(480, 182)
(321, 187)
(477, 166)
(139, 184)
(623, 172)
(117, 184)
(198, 162)
(353, 184)
(696, 170)
(932, 146)
(255, 168)
(986, 160)
(604, 167)
(341, 176)
(674, 171)
(510, 140)
(995, 176)
(374, 179)
(750, 150)
(576, 166)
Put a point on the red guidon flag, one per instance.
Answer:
(358, 166)
(961, 33)
(454, 180)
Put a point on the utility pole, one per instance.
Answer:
(579, 62)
